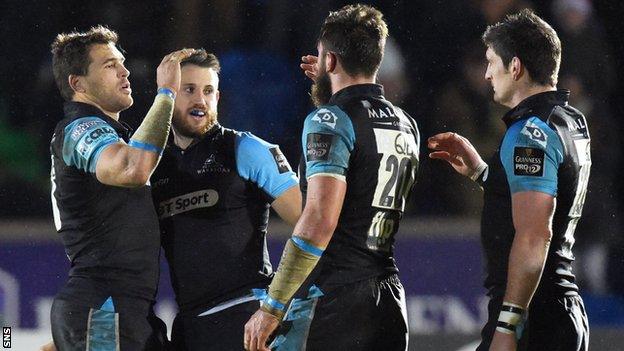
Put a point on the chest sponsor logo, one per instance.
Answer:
(534, 132)
(187, 202)
(318, 146)
(280, 160)
(325, 116)
(528, 161)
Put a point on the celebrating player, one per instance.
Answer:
(102, 206)
(361, 156)
(535, 187)
(212, 190)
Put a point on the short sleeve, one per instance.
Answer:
(84, 140)
(328, 139)
(263, 164)
(531, 153)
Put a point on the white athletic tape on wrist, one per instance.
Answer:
(480, 168)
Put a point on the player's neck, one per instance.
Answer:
(527, 91)
(180, 140)
(341, 81)
(88, 100)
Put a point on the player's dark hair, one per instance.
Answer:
(357, 35)
(528, 37)
(204, 59)
(70, 55)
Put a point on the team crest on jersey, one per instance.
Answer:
(535, 133)
(211, 165)
(528, 161)
(325, 116)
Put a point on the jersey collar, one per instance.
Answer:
(356, 90)
(525, 107)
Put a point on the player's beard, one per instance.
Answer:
(321, 89)
(188, 130)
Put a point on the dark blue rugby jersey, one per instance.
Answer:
(213, 204)
(547, 149)
(110, 233)
(361, 138)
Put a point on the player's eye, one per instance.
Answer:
(189, 90)
(209, 91)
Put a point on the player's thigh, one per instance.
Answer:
(69, 325)
(223, 330)
(359, 316)
(558, 325)
(392, 332)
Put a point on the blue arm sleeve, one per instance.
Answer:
(328, 139)
(264, 164)
(84, 141)
(531, 153)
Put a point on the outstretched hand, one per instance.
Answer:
(457, 151)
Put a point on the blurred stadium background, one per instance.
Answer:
(433, 68)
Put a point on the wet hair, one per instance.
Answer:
(70, 54)
(357, 35)
(528, 37)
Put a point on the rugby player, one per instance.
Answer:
(213, 190)
(361, 157)
(535, 187)
(101, 201)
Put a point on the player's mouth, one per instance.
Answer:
(126, 88)
(197, 113)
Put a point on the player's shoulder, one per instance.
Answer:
(533, 132)
(76, 128)
(248, 141)
(329, 115)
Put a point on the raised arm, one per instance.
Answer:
(131, 165)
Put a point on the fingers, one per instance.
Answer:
(178, 55)
(307, 67)
(311, 59)
(441, 155)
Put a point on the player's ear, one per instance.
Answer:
(217, 95)
(331, 60)
(516, 68)
(76, 83)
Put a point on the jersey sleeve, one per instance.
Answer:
(84, 140)
(263, 164)
(531, 154)
(328, 139)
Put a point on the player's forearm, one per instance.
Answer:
(298, 260)
(288, 205)
(301, 254)
(153, 132)
(526, 264)
(125, 166)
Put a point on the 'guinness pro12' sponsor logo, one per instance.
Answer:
(318, 146)
(528, 161)
(187, 202)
